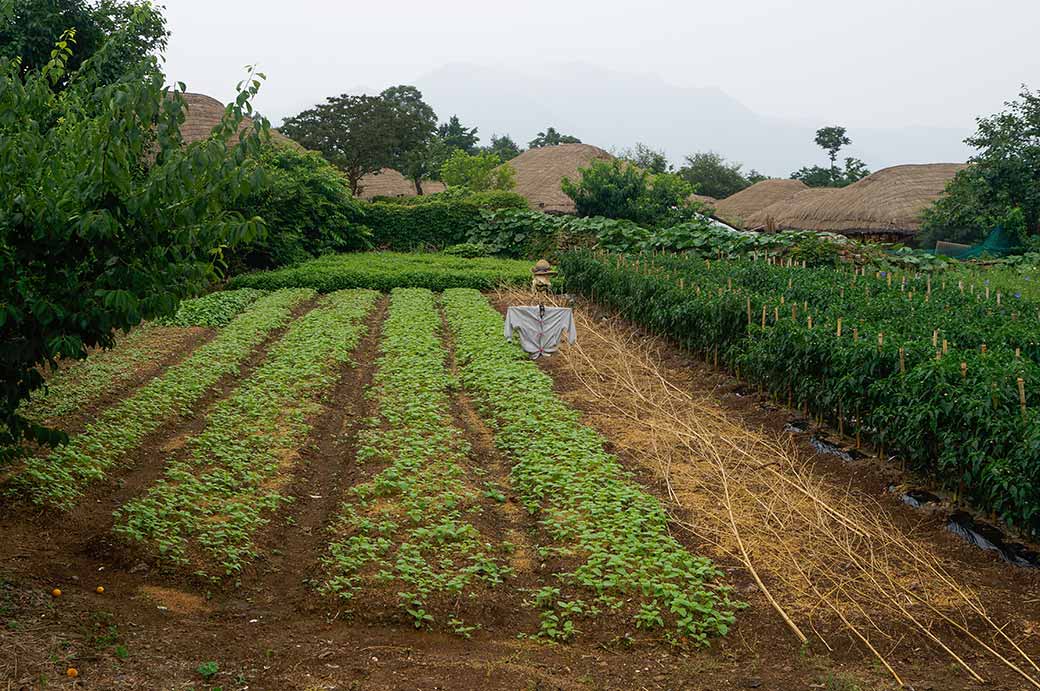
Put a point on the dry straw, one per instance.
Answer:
(737, 208)
(827, 559)
(540, 171)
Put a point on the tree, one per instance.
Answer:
(29, 30)
(754, 176)
(358, 134)
(710, 174)
(615, 189)
(414, 126)
(831, 139)
(650, 160)
(455, 136)
(550, 137)
(504, 147)
(106, 219)
(478, 172)
(1002, 176)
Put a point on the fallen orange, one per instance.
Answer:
(100, 589)
(56, 592)
(72, 672)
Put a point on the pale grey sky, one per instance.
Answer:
(879, 63)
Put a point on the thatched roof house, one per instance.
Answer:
(391, 183)
(539, 173)
(885, 205)
(204, 113)
(737, 208)
(777, 216)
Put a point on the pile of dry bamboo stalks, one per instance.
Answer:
(823, 558)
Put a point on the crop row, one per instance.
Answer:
(385, 271)
(215, 309)
(409, 529)
(957, 413)
(59, 478)
(210, 503)
(964, 309)
(608, 538)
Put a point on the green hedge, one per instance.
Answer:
(388, 270)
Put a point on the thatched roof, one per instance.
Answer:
(737, 208)
(540, 171)
(777, 216)
(889, 201)
(390, 183)
(204, 113)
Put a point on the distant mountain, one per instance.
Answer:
(615, 110)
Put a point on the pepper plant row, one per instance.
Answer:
(59, 478)
(608, 538)
(210, 503)
(409, 529)
(955, 412)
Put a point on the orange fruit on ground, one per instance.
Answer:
(56, 592)
(100, 589)
(72, 672)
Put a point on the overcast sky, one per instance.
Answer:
(879, 63)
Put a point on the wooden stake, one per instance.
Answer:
(1022, 396)
(983, 349)
(964, 370)
(902, 360)
(946, 346)
(776, 314)
(1018, 353)
(839, 327)
(682, 284)
(749, 313)
(880, 340)
(810, 322)
(935, 337)
(855, 334)
(763, 316)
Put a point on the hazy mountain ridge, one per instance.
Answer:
(614, 110)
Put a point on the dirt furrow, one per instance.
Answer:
(295, 540)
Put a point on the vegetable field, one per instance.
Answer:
(304, 483)
(940, 371)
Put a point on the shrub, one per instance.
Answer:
(617, 189)
(491, 199)
(308, 209)
(478, 172)
(431, 225)
(467, 250)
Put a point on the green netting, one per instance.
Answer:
(997, 244)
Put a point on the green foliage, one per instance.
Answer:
(607, 540)
(208, 670)
(709, 174)
(504, 147)
(106, 219)
(831, 140)
(478, 172)
(1004, 174)
(431, 224)
(128, 31)
(210, 502)
(467, 250)
(387, 270)
(457, 137)
(650, 160)
(491, 199)
(59, 478)
(410, 524)
(965, 429)
(414, 125)
(550, 137)
(357, 134)
(307, 206)
(615, 189)
(214, 310)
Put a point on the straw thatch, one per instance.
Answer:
(737, 208)
(204, 113)
(391, 183)
(886, 204)
(539, 173)
(774, 216)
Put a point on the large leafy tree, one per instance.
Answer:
(414, 152)
(454, 135)
(106, 218)
(478, 172)
(832, 139)
(1003, 175)
(358, 134)
(710, 174)
(29, 30)
(504, 147)
(615, 189)
(550, 137)
(649, 159)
